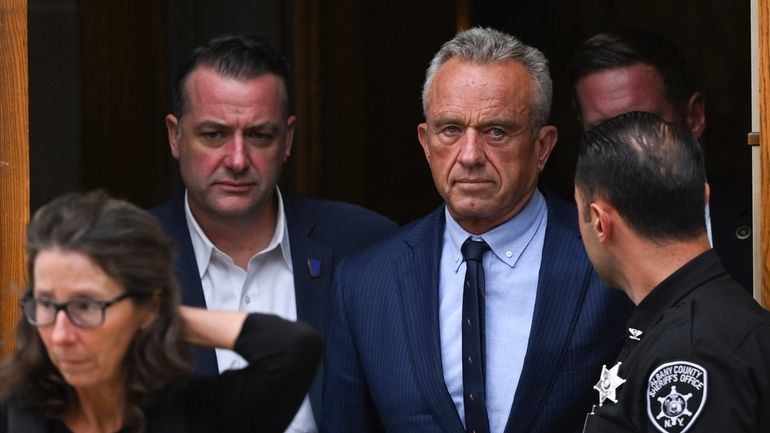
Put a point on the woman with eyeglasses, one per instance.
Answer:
(102, 344)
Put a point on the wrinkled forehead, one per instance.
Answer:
(604, 94)
(206, 81)
(468, 85)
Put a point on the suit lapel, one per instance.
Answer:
(187, 274)
(313, 264)
(564, 274)
(417, 274)
(185, 264)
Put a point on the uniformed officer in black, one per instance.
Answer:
(697, 353)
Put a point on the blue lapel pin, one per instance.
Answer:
(314, 266)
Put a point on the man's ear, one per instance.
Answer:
(695, 114)
(601, 220)
(173, 129)
(545, 142)
(290, 123)
(706, 193)
(422, 136)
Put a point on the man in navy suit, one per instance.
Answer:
(421, 339)
(638, 70)
(242, 243)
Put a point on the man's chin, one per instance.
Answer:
(238, 213)
(234, 208)
(482, 205)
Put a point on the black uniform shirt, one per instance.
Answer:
(696, 359)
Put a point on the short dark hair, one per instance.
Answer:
(651, 171)
(625, 47)
(236, 56)
(129, 245)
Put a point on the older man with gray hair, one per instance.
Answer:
(486, 315)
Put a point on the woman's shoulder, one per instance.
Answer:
(15, 418)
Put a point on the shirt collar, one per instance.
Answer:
(508, 240)
(204, 248)
(676, 286)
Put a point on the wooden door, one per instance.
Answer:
(14, 162)
(760, 44)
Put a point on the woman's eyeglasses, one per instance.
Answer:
(83, 313)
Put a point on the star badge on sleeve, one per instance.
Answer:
(608, 383)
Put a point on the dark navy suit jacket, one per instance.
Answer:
(730, 207)
(383, 355)
(318, 229)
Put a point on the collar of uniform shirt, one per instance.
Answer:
(673, 288)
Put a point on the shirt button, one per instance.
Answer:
(508, 254)
(246, 299)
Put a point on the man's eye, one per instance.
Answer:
(259, 136)
(451, 130)
(211, 135)
(496, 132)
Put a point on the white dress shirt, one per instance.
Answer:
(266, 286)
(708, 225)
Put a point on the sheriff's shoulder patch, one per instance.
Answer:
(676, 394)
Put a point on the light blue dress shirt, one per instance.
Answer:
(511, 271)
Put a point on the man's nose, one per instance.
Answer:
(236, 158)
(472, 147)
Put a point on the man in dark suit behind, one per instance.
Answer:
(638, 70)
(242, 243)
(508, 340)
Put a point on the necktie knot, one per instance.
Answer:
(473, 250)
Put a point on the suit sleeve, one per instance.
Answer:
(347, 407)
(283, 357)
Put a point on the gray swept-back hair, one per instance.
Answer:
(484, 46)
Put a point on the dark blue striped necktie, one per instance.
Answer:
(474, 394)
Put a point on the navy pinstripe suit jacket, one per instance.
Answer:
(318, 229)
(383, 355)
